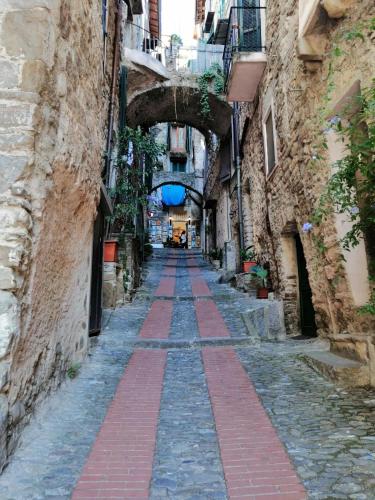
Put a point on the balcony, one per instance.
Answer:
(244, 53)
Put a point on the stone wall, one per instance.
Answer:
(279, 204)
(54, 100)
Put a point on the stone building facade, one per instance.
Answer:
(56, 61)
(278, 201)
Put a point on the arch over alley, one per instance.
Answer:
(188, 181)
(178, 100)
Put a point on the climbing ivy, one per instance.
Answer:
(212, 76)
(138, 156)
(351, 188)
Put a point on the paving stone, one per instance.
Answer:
(327, 431)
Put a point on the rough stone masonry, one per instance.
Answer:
(53, 94)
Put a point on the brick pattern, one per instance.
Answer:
(193, 267)
(199, 287)
(170, 271)
(256, 465)
(120, 463)
(166, 287)
(210, 321)
(157, 324)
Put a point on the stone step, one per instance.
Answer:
(265, 322)
(343, 370)
(196, 342)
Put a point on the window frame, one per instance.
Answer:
(270, 112)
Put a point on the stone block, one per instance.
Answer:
(33, 76)
(29, 33)
(15, 115)
(230, 260)
(109, 294)
(9, 74)
(7, 279)
(11, 167)
(15, 141)
(346, 372)
(8, 320)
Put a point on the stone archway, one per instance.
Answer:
(189, 181)
(178, 100)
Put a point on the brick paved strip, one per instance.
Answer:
(256, 465)
(199, 287)
(210, 321)
(193, 268)
(157, 324)
(120, 462)
(166, 287)
(169, 271)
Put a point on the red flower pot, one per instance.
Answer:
(262, 293)
(111, 251)
(247, 266)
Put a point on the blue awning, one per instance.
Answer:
(173, 195)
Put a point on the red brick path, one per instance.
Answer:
(199, 287)
(255, 463)
(256, 466)
(210, 321)
(166, 287)
(158, 321)
(120, 463)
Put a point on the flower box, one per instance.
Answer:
(111, 251)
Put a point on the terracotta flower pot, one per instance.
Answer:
(247, 265)
(262, 293)
(111, 251)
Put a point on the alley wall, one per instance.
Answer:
(279, 203)
(54, 99)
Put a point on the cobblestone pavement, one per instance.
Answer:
(192, 423)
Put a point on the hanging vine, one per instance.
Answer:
(212, 76)
(138, 156)
(351, 188)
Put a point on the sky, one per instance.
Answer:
(178, 16)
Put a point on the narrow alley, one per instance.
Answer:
(199, 411)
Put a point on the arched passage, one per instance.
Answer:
(178, 183)
(177, 101)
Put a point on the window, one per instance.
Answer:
(270, 141)
(178, 166)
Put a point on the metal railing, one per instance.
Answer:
(244, 33)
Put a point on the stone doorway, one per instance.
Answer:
(306, 308)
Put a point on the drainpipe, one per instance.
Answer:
(237, 162)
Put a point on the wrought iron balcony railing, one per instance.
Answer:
(244, 33)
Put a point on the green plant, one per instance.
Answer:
(214, 75)
(148, 249)
(73, 370)
(216, 254)
(176, 40)
(260, 275)
(351, 188)
(138, 156)
(248, 254)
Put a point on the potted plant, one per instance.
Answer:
(248, 259)
(215, 256)
(260, 275)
